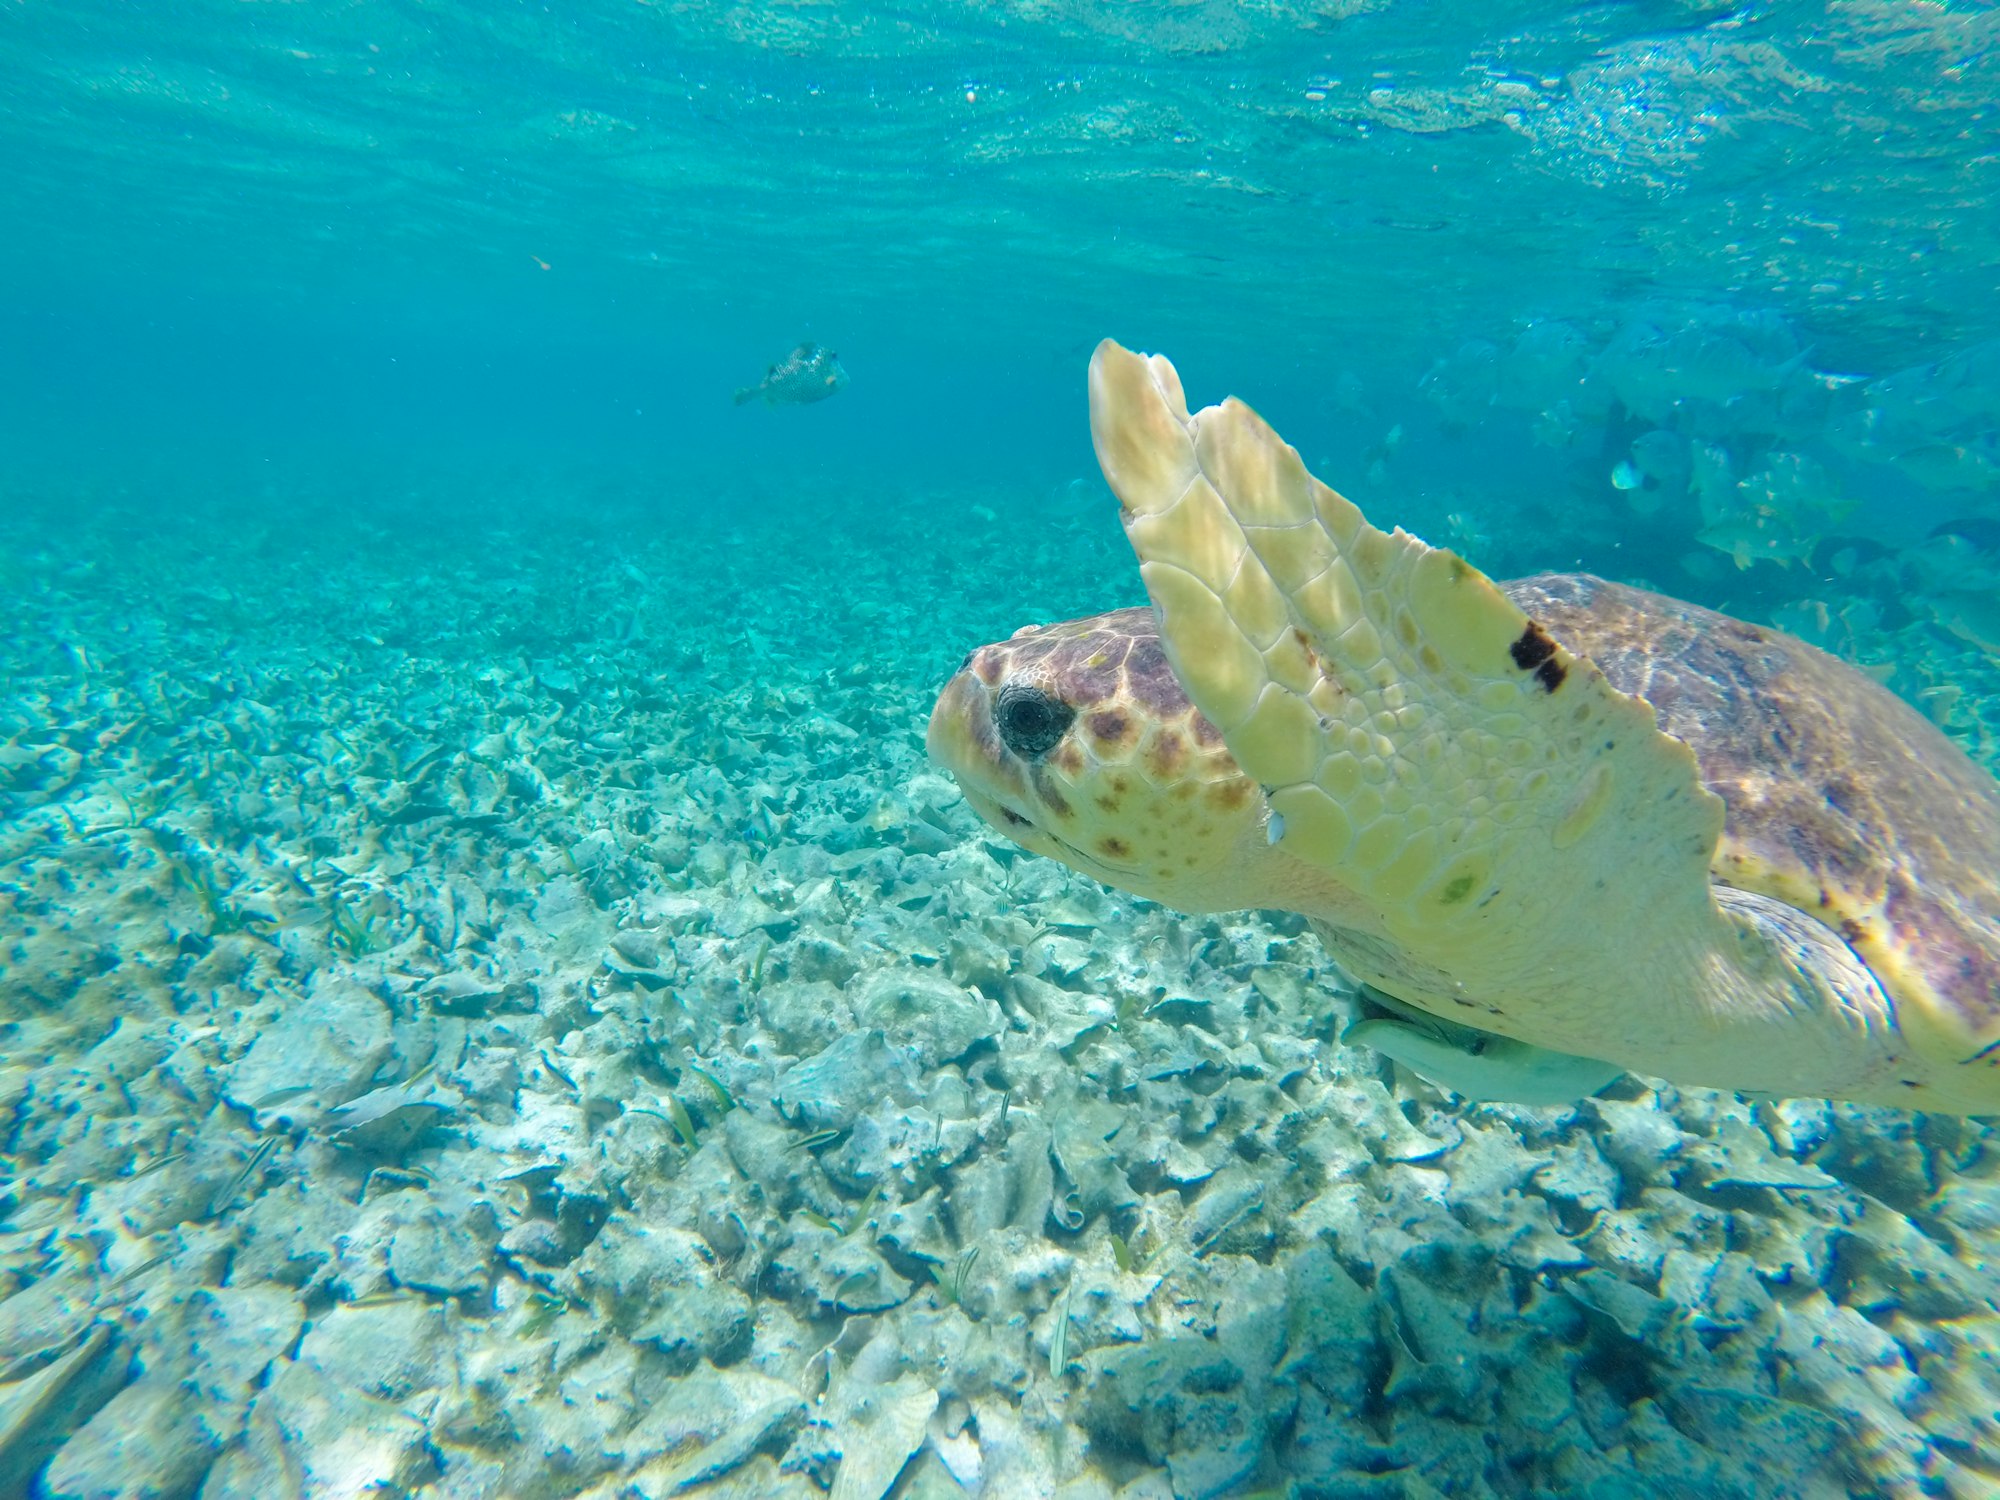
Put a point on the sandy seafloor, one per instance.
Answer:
(497, 1004)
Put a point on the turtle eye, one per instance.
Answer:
(1029, 720)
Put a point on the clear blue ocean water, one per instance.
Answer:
(494, 998)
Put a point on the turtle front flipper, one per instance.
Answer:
(1524, 849)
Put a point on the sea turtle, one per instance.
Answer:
(1585, 827)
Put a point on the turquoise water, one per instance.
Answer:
(495, 999)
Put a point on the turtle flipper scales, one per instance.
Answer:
(1498, 811)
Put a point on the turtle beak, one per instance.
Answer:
(961, 736)
(962, 740)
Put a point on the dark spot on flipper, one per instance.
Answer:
(1457, 891)
(1305, 644)
(1533, 648)
(1114, 848)
(1550, 674)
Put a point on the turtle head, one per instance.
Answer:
(1076, 741)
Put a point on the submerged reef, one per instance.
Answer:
(1699, 450)
(502, 1007)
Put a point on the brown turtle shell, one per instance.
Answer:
(1843, 801)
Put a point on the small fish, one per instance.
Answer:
(1662, 459)
(1983, 532)
(1626, 475)
(1949, 466)
(1973, 617)
(1545, 360)
(227, 1196)
(1653, 371)
(1059, 1341)
(1715, 368)
(1961, 387)
(1796, 488)
(1875, 434)
(682, 1121)
(1758, 537)
(809, 373)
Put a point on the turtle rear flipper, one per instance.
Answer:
(1492, 1070)
(1498, 811)
(1476, 1064)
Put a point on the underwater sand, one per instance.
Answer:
(500, 1006)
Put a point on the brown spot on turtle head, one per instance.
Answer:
(1151, 682)
(1051, 795)
(1087, 670)
(1230, 795)
(989, 664)
(1167, 756)
(978, 727)
(1112, 729)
